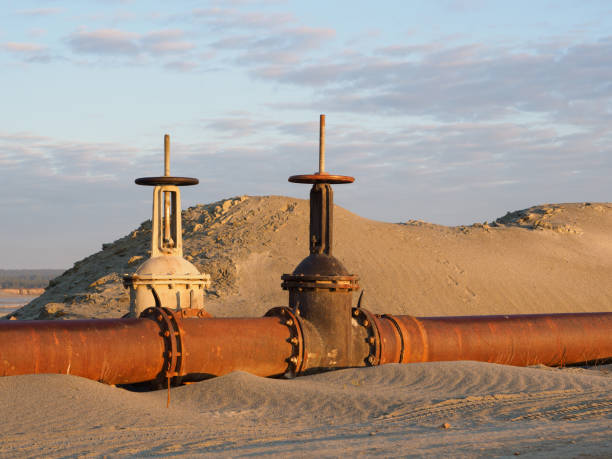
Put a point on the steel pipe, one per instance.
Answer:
(121, 351)
(520, 340)
(114, 351)
(215, 347)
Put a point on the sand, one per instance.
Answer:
(391, 411)
(549, 258)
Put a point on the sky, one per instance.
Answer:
(449, 111)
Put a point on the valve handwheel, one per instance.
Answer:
(167, 179)
(321, 176)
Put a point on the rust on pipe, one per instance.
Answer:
(216, 347)
(122, 351)
(113, 351)
(520, 340)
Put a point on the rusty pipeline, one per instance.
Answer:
(160, 345)
(519, 340)
(113, 351)
(163, 344)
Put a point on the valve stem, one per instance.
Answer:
(166, 155)
(322, 144)
(168, 241)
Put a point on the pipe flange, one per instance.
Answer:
(370, 322)
(172, 334)
(401, 332)
(296, 338)
(316, 282)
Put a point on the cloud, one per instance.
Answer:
(36, 32)
(226, 19)
(181, 66)
(40, 11)
(407, 50)
(248, 39)
(104, 41)
(168, 44)
(471, 82)
(304, 129)
(523, 123)
(28, 52)
(561, 81)
(35, 157)
(261, 39)
(23, 47)
(166, 41)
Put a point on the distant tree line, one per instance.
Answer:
(27, 278)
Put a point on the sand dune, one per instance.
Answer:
(549, 258)
(391, 411)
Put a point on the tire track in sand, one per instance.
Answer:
(552, 405)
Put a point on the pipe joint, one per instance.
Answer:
(296, 338)
(172, 334)
(370, 324)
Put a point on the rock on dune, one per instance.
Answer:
(549, 258)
